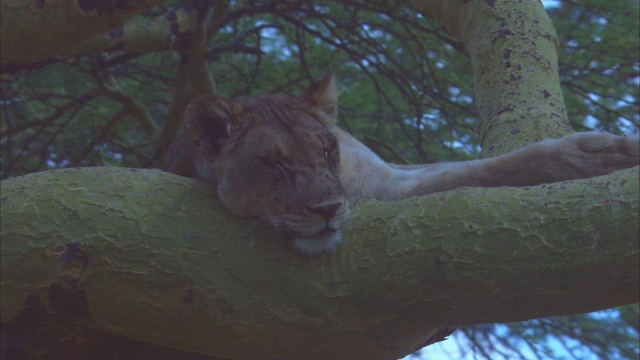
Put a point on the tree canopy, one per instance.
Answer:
(407, 91)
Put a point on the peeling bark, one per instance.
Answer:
(160, 260)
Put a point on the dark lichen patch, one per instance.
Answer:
(189, 297)
(36, 333)
(68, 299)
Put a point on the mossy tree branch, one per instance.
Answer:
(167, 264)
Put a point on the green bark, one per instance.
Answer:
(514, 53)
(167, 264)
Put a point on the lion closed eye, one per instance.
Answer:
(286, 161)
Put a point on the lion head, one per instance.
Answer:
(275, 158)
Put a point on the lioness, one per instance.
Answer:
(285, 160)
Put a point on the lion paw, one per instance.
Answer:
(600, 153)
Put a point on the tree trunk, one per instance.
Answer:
(514, 53)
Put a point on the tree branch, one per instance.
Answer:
(514, 53)
(167, 264)
(109, 87)
(36, 31)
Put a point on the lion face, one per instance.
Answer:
(275, 158)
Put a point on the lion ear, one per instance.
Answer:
(210, 120)
(323, 94)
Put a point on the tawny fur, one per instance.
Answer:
(285, 160)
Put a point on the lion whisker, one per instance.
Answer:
(278, 222)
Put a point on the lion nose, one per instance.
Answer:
(327, 210)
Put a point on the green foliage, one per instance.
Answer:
(599, 65)
(609, 334)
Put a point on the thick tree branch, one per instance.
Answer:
(33, 31)
(154, 34)
(514, 52)
(167, 264)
